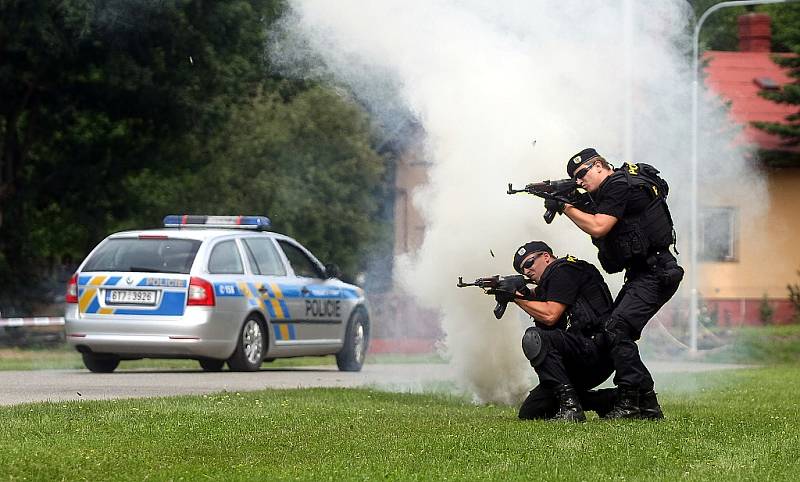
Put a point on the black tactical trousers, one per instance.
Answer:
(645, 291)
(571, 359)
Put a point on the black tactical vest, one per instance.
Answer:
(594, 300)
(639, 235)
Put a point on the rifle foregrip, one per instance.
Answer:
(500, 309)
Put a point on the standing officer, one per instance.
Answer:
(630, 223)
(567, 346)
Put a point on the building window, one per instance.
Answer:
(719, 234)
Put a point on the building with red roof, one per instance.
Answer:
(748, 265)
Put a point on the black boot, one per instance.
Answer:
(649, 408)
(601, 401)
(627, 405)
(569, 408)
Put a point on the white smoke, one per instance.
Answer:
(484, 80)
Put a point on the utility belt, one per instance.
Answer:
(584, 320)
(660, 263)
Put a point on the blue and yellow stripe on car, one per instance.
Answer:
(172, 302)
(87, 293)
(269, 297)
(275, 296)
(284, 331)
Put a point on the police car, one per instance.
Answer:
(216, 289)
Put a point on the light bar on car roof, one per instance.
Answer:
(258, 223)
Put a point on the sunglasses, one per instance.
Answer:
(527, 264)
(582, 172)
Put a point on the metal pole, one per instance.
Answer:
(693, 315)
(628, 65)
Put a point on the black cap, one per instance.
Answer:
(526, 249)
(579, 159)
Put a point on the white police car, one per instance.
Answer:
(204, 290)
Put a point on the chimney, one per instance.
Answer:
(755, 33)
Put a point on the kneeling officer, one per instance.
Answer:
(567, 346)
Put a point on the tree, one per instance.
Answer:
(94, 91)
(786, 38)
(787, 35)
(114, 113)
(307, 162)
(788, 94)
(721, 32)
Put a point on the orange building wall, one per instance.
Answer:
(768, 254)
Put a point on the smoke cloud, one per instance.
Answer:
(484, 80)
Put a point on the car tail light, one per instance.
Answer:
(201, 293)
(72, 290)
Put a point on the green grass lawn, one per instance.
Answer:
(733, 425)
(760, 344)
(64, 357)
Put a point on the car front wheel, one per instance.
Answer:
(250, 347)
(356, 342)
(211, 364)
(100, 363)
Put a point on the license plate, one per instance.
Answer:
(130, 297)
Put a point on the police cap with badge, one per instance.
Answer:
(526, 249)
(580, 159)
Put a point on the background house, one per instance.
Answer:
(743, 265)
(401, 325)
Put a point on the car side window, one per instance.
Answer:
(301, 263)
(264, 257)
(225, 259)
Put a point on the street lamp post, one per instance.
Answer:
(693, 315)
(627, 30)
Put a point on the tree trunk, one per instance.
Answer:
(9, 161)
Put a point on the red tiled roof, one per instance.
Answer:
(732, 75)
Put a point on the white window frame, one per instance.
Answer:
(730, 252)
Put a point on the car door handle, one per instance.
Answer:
(263, 290)
(305, 291)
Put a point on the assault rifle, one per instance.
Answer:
(505, 286)
(564, 190)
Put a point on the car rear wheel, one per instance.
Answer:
(100, 363)
(356, 342)
(211, 364)
(250, 348)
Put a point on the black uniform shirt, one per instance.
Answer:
(616, 198)
(560, 285)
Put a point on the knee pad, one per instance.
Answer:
(533, 346)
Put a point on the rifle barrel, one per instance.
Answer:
(511, 190)
(461, 283)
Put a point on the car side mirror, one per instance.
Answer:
(332, 271)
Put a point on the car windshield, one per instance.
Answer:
(147, 255)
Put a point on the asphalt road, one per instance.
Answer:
(60, 385)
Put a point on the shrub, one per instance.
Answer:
(765, 311)
(794, 298)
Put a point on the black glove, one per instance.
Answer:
(582, 201)
(554, 205)
(503, 296)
